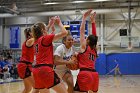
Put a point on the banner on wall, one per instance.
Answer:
(15, 36)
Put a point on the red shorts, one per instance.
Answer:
(87, 80)
(24, 69)
(45, 77)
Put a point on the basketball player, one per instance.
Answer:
(87, 79)
(62, 55)
(43, 72)
(24, 67)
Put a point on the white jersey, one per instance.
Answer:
(64, 53)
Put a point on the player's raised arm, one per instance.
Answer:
(63, 32)
(82, 30)
(93, 22)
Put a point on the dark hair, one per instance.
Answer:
(92, 41)
(27, 32)
(37, 30)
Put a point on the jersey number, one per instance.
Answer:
(91, 56)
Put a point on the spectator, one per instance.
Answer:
(1, 72)
(6, 72)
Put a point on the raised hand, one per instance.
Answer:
(92, 17)
(51, 21)
(57, 20)
(87, 13)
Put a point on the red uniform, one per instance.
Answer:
(94, 29)
(24, 67)
(87, 72)
(43, 72)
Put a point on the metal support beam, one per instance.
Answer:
(102, 38)
(129, 24)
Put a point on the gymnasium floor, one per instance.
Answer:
(108, 84)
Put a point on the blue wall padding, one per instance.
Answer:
(129, 63)
(134, 63)
(117, 58)
(101, 64)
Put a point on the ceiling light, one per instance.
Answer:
(90, 1)
(78, 1)
(51, 3)
(82, 1)
(102, 0)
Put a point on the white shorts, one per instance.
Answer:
(61, 73)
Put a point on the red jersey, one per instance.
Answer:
(44, 49)
(27, 53)
(87, 59)
(94, 29)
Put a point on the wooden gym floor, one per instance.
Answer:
(108, 84)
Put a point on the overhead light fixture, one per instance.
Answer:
(51, 3)
(81, 1)
(78, 1)
(90, 1)
(102, 0)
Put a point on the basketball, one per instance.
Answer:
(73, 66)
